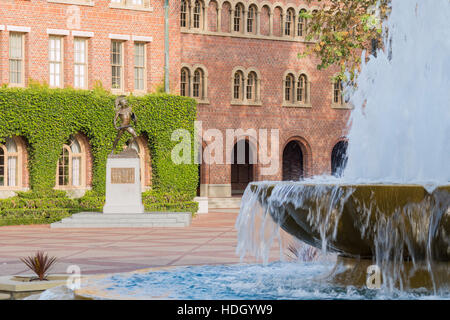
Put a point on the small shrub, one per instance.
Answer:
(40, 264)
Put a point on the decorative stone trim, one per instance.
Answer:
(256, 33)
(122, 6)
(296, 103)
(124, 37)
(2, 27)
(18, 29)
(58, 32)
(345, 106)
(82, 34)
(245, 101)
(192, 69)
(142, 38)
(247, 35)
(76, 2)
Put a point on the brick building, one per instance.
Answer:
(239, 59)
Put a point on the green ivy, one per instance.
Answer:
(46, 118)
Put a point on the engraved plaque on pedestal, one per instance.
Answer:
(122, 175)
(123, 183)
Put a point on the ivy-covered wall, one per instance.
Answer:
(47, 118)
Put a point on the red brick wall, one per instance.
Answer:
(100, 19)
(318, 128)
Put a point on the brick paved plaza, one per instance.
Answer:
(211, 239)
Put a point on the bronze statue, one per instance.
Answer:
(126, 115)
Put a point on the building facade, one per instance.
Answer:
(238, 59)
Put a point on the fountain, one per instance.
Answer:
(390, 208)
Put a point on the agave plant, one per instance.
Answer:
(40, 264)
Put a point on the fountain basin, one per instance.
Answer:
(404, 229)
(355, 214)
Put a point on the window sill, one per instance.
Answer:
(245, 103)
(130, 7)
(140, 93)
(76, 2)
(203, 101)
(341, 106)
(296, 105)
(16, 85)
(235, 34)
(118, 92)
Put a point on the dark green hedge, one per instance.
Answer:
(40, 208)
(47, 118)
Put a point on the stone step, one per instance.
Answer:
(119, 220)
(220, 203)
(133, 220)
(149, 215)
(5, 296)
(118, 225)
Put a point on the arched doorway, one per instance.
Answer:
(241, 167)
(293, 166)
(339, 158)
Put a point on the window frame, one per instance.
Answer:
(21, 60)
(184, 14)
(18, 170)
(85, 64)
(67, 147)
(121, 88)
(143, 67)
(60, 39)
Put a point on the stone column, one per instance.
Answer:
(205, 18)
(244, 16)
(270, 24)
(191, 16)
(231, 19)
(258, 22)
(219, 19)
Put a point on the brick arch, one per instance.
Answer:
(86, 166)
(338, 155)
(226, 16)
(87, 149)
(264, 17)
(212, 7)
(306, 151)
(22, 172)
(145, 161)
(243, 171)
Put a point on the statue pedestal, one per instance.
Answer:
(123, 183)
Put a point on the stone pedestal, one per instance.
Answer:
(123, 183)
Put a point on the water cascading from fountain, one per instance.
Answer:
(399, 134)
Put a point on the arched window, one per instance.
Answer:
(289, 88)
(251, 86)
(338, 92)
(183, 13)
(301, 28)
(302, 88)
(238, 86)
(197, 14)
(288, 24)
(339, 158)
(72, 164)
(140, 146)
(238, 15)
(251, 19)
(197, 89)
(184, 85)
(9, 163)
